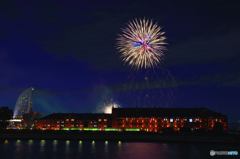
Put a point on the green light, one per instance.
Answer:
(91, 129)
(66, 129)
(112, 129)
(75, 128)
(132, 129)
(80, 142)
(93, 142)
(106, 142)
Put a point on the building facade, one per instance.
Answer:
(138, 119)
(74, 121)
(165, 119)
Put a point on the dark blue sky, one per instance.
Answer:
(66, 50)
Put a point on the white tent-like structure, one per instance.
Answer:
(24, 103)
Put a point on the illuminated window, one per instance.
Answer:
(190, 120)
(99, 119)
(105, 119)
(72, 119)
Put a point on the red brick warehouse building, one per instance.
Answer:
(137, 119)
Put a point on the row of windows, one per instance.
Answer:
(72, 120)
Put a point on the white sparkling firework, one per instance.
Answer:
(142, 44)
(107, 107)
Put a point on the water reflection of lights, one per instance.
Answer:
(30, 142)
(67, 146)
(42, 145)
(80, 146)
(67, 142)
(6, 141)
(18, 142)
(42, 142)
(55, 142)
(106, 146)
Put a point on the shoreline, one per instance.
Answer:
(119, 136)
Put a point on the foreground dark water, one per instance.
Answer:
(38, 149)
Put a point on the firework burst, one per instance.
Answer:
(141, 44)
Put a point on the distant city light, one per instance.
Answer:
(190, 120)
(171, 120)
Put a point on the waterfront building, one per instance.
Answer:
(169, 119)
(138, 119)
(74, 121)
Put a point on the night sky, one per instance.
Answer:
(67, 51)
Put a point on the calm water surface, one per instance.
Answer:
(58, 149)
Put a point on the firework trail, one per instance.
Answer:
(141, 44)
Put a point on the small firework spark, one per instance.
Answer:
(142, 44)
